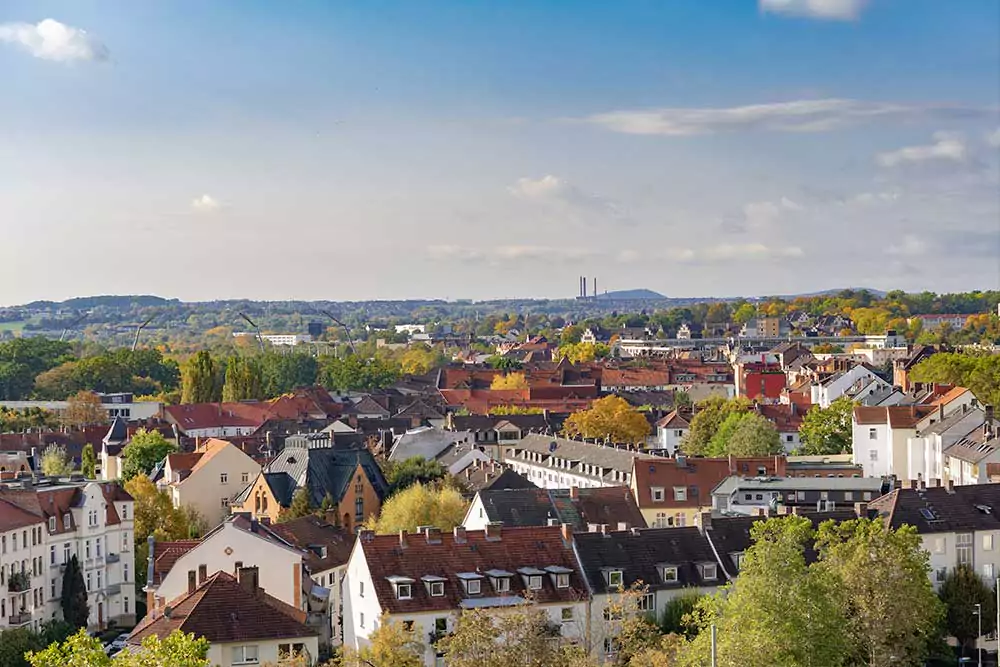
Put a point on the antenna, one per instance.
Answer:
(260, 340)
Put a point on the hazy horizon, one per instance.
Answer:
(434, 150)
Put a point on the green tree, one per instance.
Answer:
(88, 462)
(144, 450)
(754, 436)
(708, 417)
(828, 430)
(719, 444)
(609, 418)
(521, 635)
(281, 373)
(676, 617)
(84, 408)
(73, 602)
(14, 644)
(82, 650)
(200, 380)
(777, 612)
(414, 470)
(980, 373)
(421, 505)
(243, 380)
(960, 592)
(300, 506)
(55, 461)
(508, 381)
(354, 373)
(880, 578)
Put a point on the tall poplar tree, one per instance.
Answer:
(200, 380)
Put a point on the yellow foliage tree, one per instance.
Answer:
(509, 381)
(420, 505)
(609, 418)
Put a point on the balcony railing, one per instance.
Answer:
(112, 558)
(17, 620)
(18, 582)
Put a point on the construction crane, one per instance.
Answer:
(72, 324)
(347, 330)
(138, 330)
(260, 339)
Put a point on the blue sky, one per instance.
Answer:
(473, 149)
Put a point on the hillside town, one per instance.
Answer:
(589, 481)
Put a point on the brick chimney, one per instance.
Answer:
(493, 531)
(192, 581)
(460, 537)
(704, 521)
(433, 535)
(249, 578)
(861, 510)
(402, 538)
(574, 492)
(567, 532)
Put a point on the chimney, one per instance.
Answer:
(595, 288)
(705, 521)
(861, 510)
(202, 573)
(432, 535)
(366, 535)
(460, 535)
(493, 531)
(192, 581)
(249, 578)
(622, 525)
(949, 486)
(402, 538)
(604, 529)
(168, 611)
(567, 532)
(913, 484)
(574, 492)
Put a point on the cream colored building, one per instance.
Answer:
(208, 479)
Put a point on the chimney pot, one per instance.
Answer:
(402, 538)
(460, 535)
(705, 521)
(861, 510)
(249, 579)
(567, 532)
(574, 492)
(493, 531)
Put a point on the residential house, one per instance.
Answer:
(937, 433)
(424, 580)
(901, 367)
(880, 438)
(635, 379)
(121, 404)
(208, 478)
(936, 321)
(243, 623)
(217, 420)
(750, 495)
(90, 520)
(672, 492)
(666, 562)
(495, 476)
(762, 381)
(456, 449)
(583, 509)
(348, 480)
(672, 429)
(823, 465)
(559, 463)
(787, 420)
(861, 378)
(109, 458)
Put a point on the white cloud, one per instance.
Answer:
(909, 246)
(205, 204)
(946, 147)
(566, 199)
(51, 40)
(993, 138)
(762, 215)
(735, 252)
(827, 10)
(546, 186)
(795, 116)
(510, 253)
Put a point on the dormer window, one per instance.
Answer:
(403, 586)
(708, 571)
(738, 560)
(52, 524)
(67, 520)
(562, 581)
(615, 578)
(669, 574)
(434, 584)
(472, 581)
(559, 575)
(500, 580)
(657, 493)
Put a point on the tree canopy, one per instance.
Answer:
(979, 373)
(610, 418)
(708, 418)
(84, 408)
(827, 431)
(144, 450)
(175, 650)
(200, 379)
(55, 461)
(416, 469)
(962, 590)
(511, 380)
(421, 505)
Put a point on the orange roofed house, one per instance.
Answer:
(346, 479)
(672, 492)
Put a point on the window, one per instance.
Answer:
(738, 560)
(124, 603)
(224, 502)
(963, 548)
(66, 521)
(848, 496)
(657, 492)
(939, 545)
(125, 541)
(408, 626)
(124, 511)
(872, 434)
(473, 586)
(941, 574)
(125, 571)
(708, 572)
(440, 625)
(989, 572)
(245, 477)
(873, 455)
(100, 583)
(88, 582)
(566, 614)
(867, 495)
(437, 589)
(987, 542)
(361, 620)
(615, 578)
(501, 585)
(361, 589)
(562, 581)
(359, 509)
(65, 553)
(669, 574)
(404, 591)
(97, 547)
(86, 549)
(52, 555)
(52, 524)
(534, 583)
(646, 602)
(224, 478)
(680, 493)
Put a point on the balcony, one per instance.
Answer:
(112, 558)
(17, 620)
(18, 582)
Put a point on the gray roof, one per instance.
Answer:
(734, 483)
(322, 470)
(574, 450)
(427, 442)
(958, 423)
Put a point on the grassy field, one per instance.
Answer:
(15, 327)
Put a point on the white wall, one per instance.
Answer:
(204, 489)
(863, 444)
(670, 438)
(361, 609)
(220, 655)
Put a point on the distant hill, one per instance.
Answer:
(632, 294)
(109, 301)
(833, 292)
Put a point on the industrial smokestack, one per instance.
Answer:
(585, 287)
(595, 288)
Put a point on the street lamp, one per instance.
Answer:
(979, 646)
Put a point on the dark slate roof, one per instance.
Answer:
(640, 553)
(325, 470)
(536, 507)
(118, 433)
(937, 510)
(484, 478)
(326, 545)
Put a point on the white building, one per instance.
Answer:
(426, 580)
(880, 437)
(830, 389)
(288, 340)
(558, 463)
(89, 520)
(121, 405)
(670, 431)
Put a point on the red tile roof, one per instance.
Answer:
(18, 509)
(697, 475)
(166, 554)
(514, 549)
(897, 416)
(222, 610)
(634, 377)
